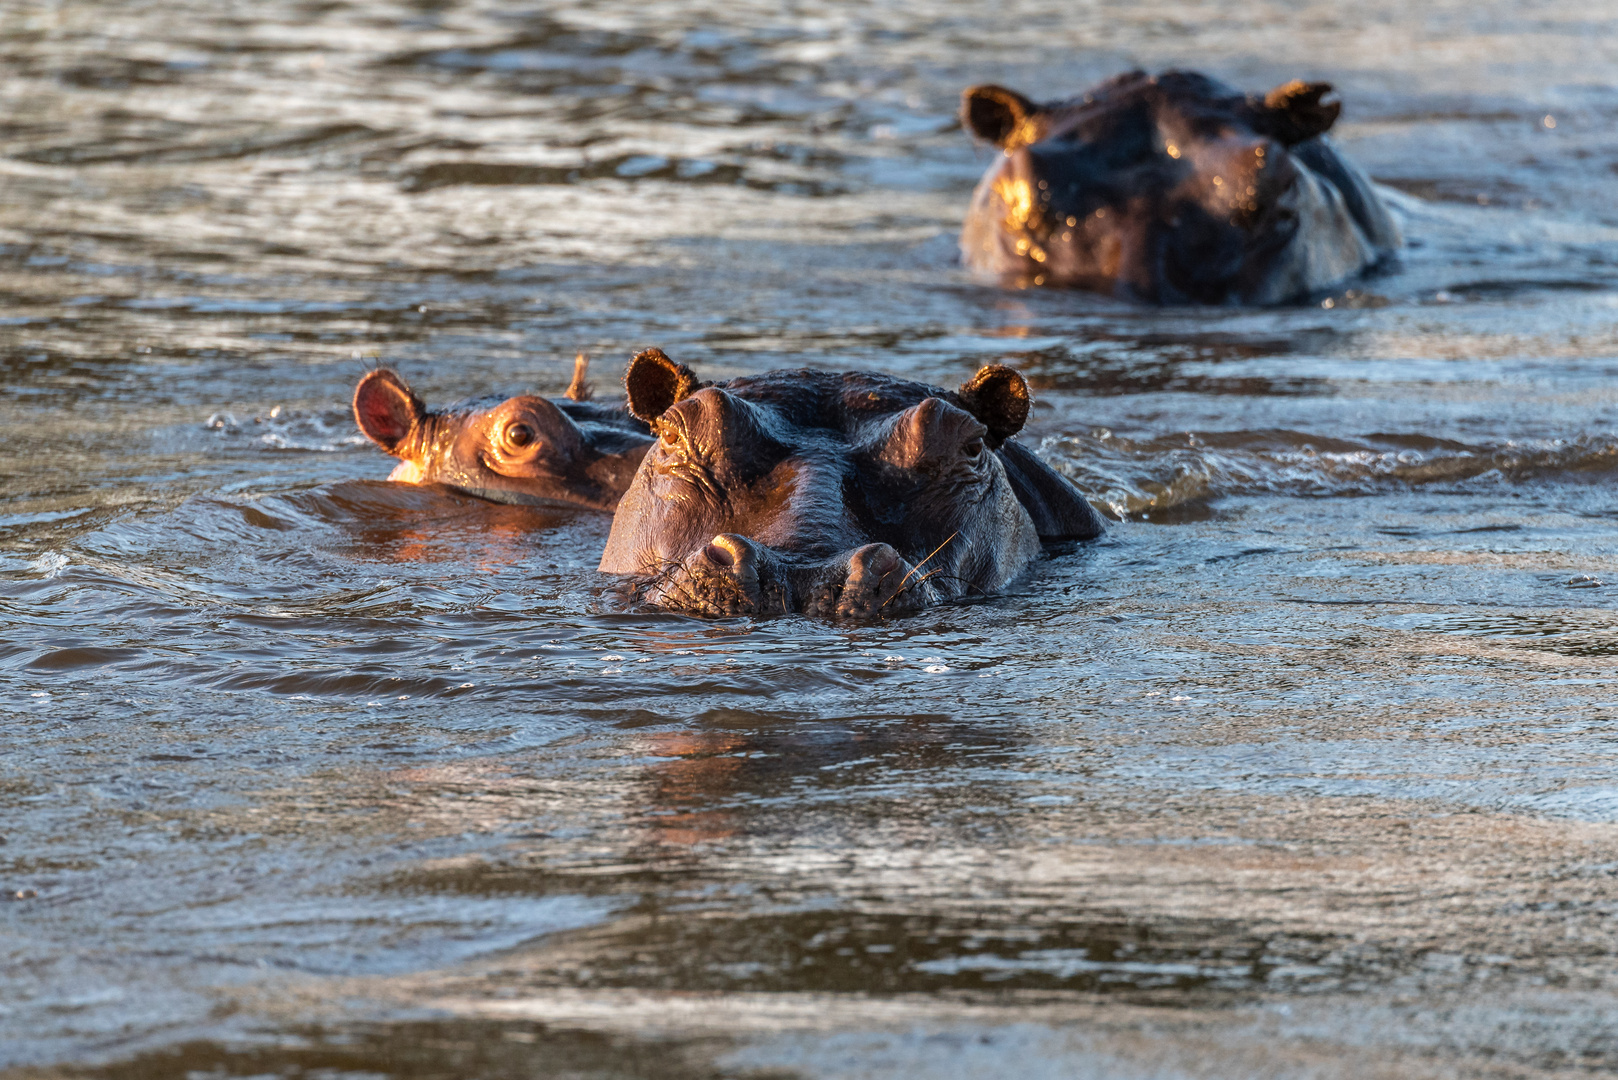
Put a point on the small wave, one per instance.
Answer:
(323, 431)
(265, 143)
(755, 171)
(1130, 478)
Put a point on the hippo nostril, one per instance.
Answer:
(719, 556)
(881, 559)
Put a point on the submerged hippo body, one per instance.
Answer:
(565, 452)
(832, 494)
(1171, 189)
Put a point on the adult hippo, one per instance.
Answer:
(1171, 189)
(565, 452)
(832, 494)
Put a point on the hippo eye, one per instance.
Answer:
(519, 434)
(973, 448)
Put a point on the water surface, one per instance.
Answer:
(1307, 769)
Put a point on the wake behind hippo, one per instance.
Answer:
(568, 452)
(1171, 189)
(845, 495)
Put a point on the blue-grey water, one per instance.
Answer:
(1309, 769)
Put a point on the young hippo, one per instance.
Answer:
(832, 494)
(568, 452)
(1171, 189)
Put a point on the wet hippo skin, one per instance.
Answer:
(845, 495)
(565, 452)
(1171, 189)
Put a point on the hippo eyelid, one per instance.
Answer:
(674, 431)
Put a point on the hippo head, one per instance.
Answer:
(807, 491)
(1170, 189)
(524, 449)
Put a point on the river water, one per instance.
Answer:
(1307, 769)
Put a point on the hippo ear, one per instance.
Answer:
(995, 114)
(654, 382)
(1294, 112)
(998, 397)
(386, 410)
(581, 388)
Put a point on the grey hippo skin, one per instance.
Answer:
(841, 495)
(1171, 189)
(570, 452)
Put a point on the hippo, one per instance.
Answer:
(841, 495)
(568, 452)
(1171, 189)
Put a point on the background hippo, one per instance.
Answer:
(834, 494)
(525, 449)
(1171, 189)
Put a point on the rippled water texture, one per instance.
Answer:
(1306, 770)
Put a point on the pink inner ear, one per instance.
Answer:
(385, 411)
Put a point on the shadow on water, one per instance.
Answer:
(1106, 364)
(1582, 633)
(427, 1050)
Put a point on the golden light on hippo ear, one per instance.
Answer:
(998, 397)
(386, 410)
(1293, 112)
(1003, 117)
(654, 382)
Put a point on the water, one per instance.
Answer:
(1306, 770)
